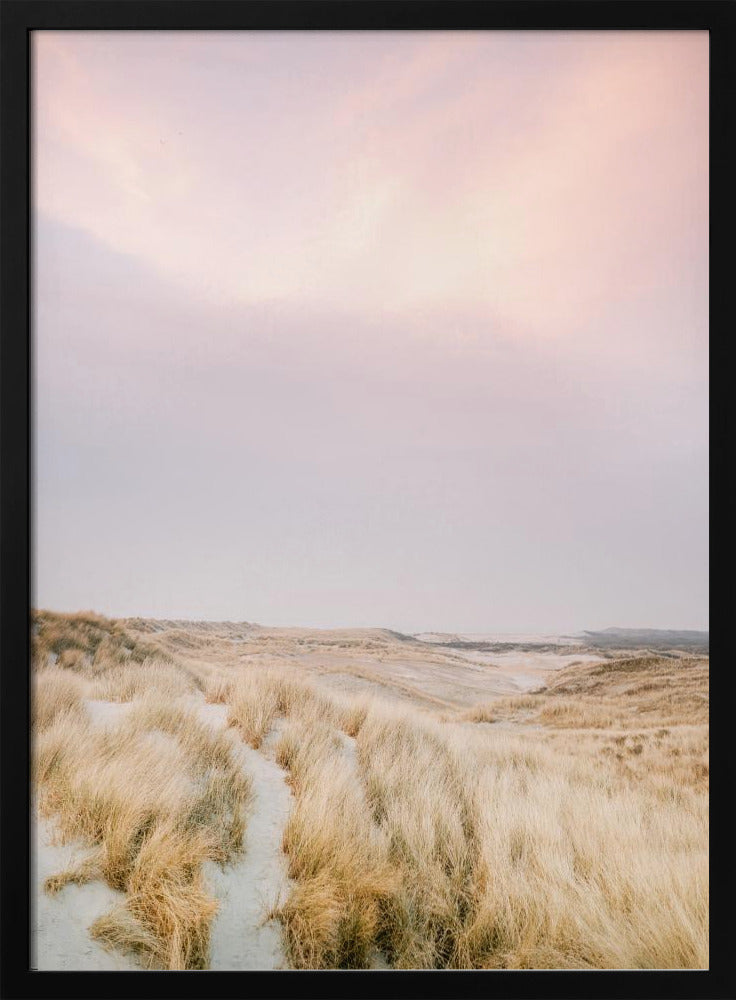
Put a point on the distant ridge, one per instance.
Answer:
(652, 638)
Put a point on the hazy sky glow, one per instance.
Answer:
(366, 328)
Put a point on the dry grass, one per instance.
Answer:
(337, 855)
(218, 689)
(496, 850)
(56, 693)
(257, 697)
(646, 717)
(89, 643)
(519, 857)
(153, 797)
(648, 691)
(352, 713)
(417, 791)
(126, 682)
(574, 834)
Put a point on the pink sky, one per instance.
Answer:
(374, 328)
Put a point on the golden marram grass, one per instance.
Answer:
(566, 828)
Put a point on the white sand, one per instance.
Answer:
(107, 713)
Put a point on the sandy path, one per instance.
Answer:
(242, 938)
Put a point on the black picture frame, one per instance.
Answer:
(18, 19)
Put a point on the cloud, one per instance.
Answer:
(449, 172)
(372, 326)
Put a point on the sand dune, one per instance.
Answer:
(364, 799)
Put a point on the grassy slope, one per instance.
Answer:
(565, 829)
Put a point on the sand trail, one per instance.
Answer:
(242, 937)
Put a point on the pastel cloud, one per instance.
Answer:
(513, 188)
(484, 253)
